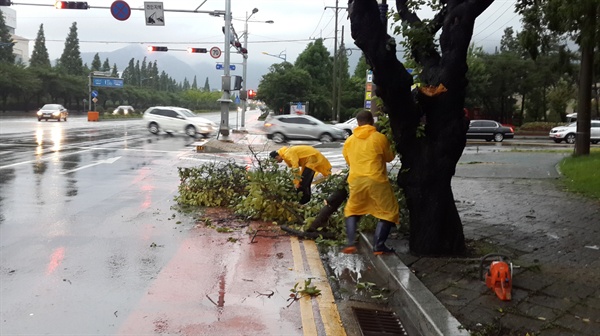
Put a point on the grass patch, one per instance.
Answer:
(582, 174)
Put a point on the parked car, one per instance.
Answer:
(52, 111)
(489, 130)
(172, 119)
(347, 126)
(124, 109)
(300, 127)
(567, 133)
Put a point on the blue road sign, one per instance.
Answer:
(94, 94)
(299, 106)
(220, 66)
(368, 104)
(107, 82)
(237, 99)
(120, 10)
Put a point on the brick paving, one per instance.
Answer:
(551, 235)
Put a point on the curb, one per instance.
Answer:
(417, 304)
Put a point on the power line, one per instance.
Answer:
(497, 18)
(176, 42)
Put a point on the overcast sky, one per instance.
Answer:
(297, 22)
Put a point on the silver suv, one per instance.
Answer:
(172, 119)
(300, 127)
(567, 133)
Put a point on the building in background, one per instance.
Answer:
(21, 46)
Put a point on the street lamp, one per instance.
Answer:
(282, 55)
(245, 63)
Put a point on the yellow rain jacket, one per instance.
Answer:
(305, 157)
(366, 151)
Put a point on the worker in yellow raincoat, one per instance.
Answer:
(367, 151)
(305, 161)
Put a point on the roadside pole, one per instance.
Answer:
(226, 79)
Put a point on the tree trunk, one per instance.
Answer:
(584, 115)
(429, 160)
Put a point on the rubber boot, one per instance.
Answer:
(382, 231)
(351, 227)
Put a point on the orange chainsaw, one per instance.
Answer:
(499, 275)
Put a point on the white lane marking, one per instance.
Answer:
(108, 161)
(44, 159)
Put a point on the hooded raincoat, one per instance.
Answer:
(367, 151)
(300, 157)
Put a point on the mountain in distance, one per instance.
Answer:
(174, 66)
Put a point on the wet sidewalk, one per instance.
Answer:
(512, 203)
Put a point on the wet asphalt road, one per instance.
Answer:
(90, 242)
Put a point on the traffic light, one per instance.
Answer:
(155, 48)
(5, 3)
(71, 5)
(251, 94)
(197, 50)
(238, 82)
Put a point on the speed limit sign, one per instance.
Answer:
(215, 52)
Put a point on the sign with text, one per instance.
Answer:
(107, 82)
(155, 15)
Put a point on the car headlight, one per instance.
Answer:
(39, 112)
(56, 113)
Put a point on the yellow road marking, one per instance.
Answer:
(327, 307)
(309, 326)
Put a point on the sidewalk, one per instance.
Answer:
(551, 237)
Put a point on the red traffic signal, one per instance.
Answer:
(71, 5)
(155, 48)
(251, 94)
(197, 50)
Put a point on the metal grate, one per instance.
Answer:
(373, 322)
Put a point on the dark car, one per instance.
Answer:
(300, 127)
(489, 130)
(52, 111)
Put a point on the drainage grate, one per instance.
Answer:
(375, 322)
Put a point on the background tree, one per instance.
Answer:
(106, 65)
(70, 61)
(206, 85)
(429, 127)
(195, 84)
(579, 20)
(96, 63)
(39, 56)
(318, 63)
(284, 83)
(6, 49)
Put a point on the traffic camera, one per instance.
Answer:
(5, 3)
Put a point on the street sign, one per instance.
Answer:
(220, 66)
(107, 82)
(215, 52)
(155, 15)
(120, 10)
(237, 99)
(94, 94)
(95, 100)
(299, 106)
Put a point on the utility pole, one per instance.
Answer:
(339, 86)
(226, 78)
(333, 99)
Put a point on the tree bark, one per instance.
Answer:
(429, 160)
